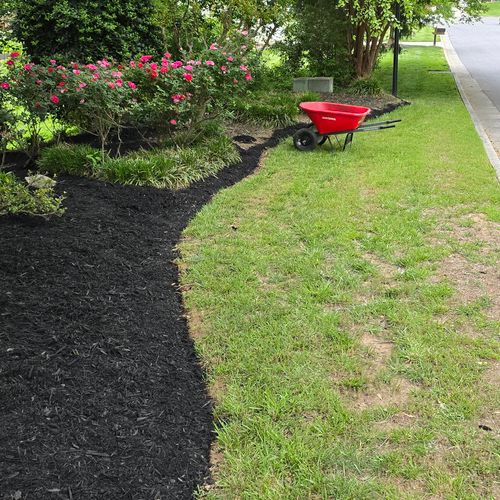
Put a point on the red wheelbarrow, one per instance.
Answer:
(334, 119)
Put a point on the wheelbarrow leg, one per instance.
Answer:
(348, 140)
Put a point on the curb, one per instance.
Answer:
(467, 88)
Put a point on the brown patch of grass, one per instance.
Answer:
(395, 393)
(472, 281)
(387, 270)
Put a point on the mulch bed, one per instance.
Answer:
(102, 395)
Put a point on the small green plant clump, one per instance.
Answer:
(365, 86)
(35, 198)
(172, 168)
(271, 109)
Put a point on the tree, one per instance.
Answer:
(87, 29)
(371, 20)
(187, 23)
(315, 40)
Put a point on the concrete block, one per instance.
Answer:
(315, 84)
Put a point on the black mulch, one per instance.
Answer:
(101, 393)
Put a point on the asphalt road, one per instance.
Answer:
(478, 47)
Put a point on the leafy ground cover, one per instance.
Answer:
(493, 9)
(345, 309)
(173, 168)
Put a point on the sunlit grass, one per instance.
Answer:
(287, 272)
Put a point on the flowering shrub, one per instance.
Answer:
(189, 91)
(105, 96)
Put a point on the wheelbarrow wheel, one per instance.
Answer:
(305, 139)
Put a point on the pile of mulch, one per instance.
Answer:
(102, 395)
(379, 104)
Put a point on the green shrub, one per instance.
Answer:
(78, 159)
(368, 86)
(86, 29)
(172, 168)
(271, 109)
(18, 198)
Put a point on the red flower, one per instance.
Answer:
(10, 62)
(61, 84)
(14, 54)
(188, 77)
(154, 74)
(173, 122)
(54, 99)
(50, 70)
(132, 85)
(4, 85)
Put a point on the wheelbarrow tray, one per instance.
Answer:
(331, 118)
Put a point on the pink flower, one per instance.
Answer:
(243, 47)
(132, 64)
(117, 74)
(54, 99)
(173, 122)
(104, 63)
(163, 70)
(95, 77)
(4, 85)
(145, 59)
(188, 77)
(153, 66)
(209, 63)
(235, 81)
(188, 67)
(230, 58)
(244, 32)
(197, 63)
(76, 71)
(60, 67)
(213, 46)
(64, 75)
(223, 69)
(132, 85)
(248, 77)
(119, 82)
(27, 67)
(168, 55)
(178, 98)
(10, 62)
(53, 61)
(111, 85)
(38, 82)
(14, 54)
(243, 68)
(92, 67)
(82, 85)
(177, 64)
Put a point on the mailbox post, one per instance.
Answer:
(438, 30)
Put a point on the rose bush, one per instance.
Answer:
(163, 95)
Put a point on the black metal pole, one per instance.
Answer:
(397, 13)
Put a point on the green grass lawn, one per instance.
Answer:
(424, 34)
(492, 9)
(344, 306)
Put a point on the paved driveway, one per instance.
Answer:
(478, 47)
